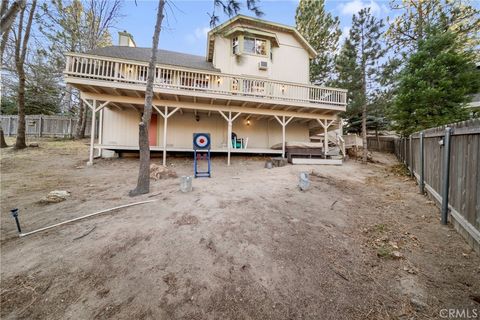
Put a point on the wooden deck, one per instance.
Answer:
(87, 71)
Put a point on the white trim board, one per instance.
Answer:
(335, 162)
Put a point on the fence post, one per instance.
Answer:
(421, 183)
(9, 126)
(70, 130)
(446, 174)
(40, 126)
(410, 155)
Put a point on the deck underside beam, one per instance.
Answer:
(206, 106)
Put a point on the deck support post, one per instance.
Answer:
(229, 137)
(325, 125)
(283, 123)
(100, 127)
(229, 131)
(92, 134)
(94, 108)
(325, 141)
(165, 114)
(165, 123)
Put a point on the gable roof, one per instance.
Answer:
(163, 57)
(262, 24)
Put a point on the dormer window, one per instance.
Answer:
(255, 46)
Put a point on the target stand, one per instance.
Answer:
(201, 151)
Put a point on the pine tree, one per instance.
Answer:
(435, 84)
(322, 31)
(358, 67)
(76, 26)
(409, 27)
(349, 77)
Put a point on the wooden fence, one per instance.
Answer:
(43, 126)
(382, 144)
(456, 187)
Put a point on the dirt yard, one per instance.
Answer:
(361, 243)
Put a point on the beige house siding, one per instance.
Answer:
(121, 128)
(290, 61)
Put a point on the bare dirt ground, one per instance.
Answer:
(361, 243)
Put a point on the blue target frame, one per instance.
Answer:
(201, 150)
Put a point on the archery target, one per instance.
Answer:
(201, 141)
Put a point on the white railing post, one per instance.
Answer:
(165, 121)
(171, 78)
(67, 65)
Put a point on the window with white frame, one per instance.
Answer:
(235, 46)
(255, 46)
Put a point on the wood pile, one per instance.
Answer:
(160, 172)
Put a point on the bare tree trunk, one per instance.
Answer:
(8, 15)
(20, 142)
(3, 44)
(364, 134)
(21, 48)
(78, 130)
(143, 182)
(3, 143)
(67, 107)
(84, 122)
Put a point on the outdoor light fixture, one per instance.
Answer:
(248, 122)
(283, 89)
(197, 117)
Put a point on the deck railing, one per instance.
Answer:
(172, 78)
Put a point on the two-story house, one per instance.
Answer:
(250, 92)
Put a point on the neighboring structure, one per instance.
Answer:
(474, 105)
(253, 85)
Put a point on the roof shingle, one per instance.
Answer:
(163, 57)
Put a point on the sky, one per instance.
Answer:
(187, 22)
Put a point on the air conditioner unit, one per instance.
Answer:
(263, 65)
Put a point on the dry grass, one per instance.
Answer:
(251, 247)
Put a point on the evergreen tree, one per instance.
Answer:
(358, 67)
(410, 26)
(43, 93)
(349, 77)
(322, 31)
(76, 26)
(435, 84)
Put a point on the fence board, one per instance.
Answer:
(43, 125)
(464, 185)
(382, 144)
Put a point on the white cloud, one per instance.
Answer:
(345, 31)
(199, 34)
(353, 7)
